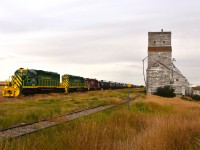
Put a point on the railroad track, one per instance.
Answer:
(28, 128)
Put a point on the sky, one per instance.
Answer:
(102, 39)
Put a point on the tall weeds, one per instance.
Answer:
(149, 125)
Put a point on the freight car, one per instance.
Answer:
(117, 85)
(93, 84)
(30, 81)
(112, 85)
(104, 85)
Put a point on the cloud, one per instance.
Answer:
(106, 38)
(4, 58)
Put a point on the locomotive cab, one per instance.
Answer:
(28, 76)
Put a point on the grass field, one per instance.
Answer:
(153, 123)
(28, 109)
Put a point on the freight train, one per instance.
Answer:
(32, 81)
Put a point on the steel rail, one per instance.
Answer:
(28, 128)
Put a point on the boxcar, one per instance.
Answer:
(93, 84)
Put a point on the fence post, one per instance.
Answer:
(129, 91)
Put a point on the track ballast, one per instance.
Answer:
(27, 128)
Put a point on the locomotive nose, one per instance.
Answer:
(12, 91)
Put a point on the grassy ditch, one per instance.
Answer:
(28, 109)
(151, 124)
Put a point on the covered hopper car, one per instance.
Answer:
(104, 85)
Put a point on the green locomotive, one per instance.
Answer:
(30, 81)
(74, 83)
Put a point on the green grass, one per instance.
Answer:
(151, 108)
(33, 109)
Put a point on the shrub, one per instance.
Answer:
(196, 97)
(166, 91)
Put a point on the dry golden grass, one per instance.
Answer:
(153, 123)
(168, 101)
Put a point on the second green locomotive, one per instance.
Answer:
(73, 83)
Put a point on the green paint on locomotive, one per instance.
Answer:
(30, 81)
(74, 82)
(31, 77)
